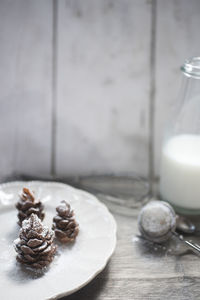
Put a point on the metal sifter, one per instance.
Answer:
(157, 223)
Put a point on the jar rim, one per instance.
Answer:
(191, 67)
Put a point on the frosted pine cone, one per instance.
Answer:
(27, 205)
(64, 224)
(35, 246)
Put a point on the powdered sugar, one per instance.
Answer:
(156, 220)
(35, 224)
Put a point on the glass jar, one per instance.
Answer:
(180, 159)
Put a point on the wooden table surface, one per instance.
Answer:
(139, 269)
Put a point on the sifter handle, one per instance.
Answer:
(191, 245)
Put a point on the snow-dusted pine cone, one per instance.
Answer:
(64, 224)
(27, 205)
(35, 246)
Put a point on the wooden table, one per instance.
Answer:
(139, 269)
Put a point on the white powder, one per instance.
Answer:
(35, 224)
(156, 220)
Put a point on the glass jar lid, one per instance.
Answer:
(191, 67)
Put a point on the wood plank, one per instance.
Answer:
(103, 86)
(177, 39)
(25, 94)
(146, 289)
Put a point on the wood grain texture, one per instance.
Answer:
(103, 86)
(102, 77)
(176, 39)
(141, 270)
(25, 94)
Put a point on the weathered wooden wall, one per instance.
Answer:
(103, 86)
(86, 85)
(25, 86)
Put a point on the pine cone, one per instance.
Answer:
(35, 243)
(64, 224)
(28, 205)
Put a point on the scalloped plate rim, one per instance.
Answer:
(114, 227)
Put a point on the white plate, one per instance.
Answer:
(74, 265)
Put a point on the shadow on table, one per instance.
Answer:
(172, 247)
(92, 290)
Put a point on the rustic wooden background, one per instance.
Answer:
(86, 86)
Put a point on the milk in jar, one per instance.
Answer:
(180, 171)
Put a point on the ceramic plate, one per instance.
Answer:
(74, 265)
